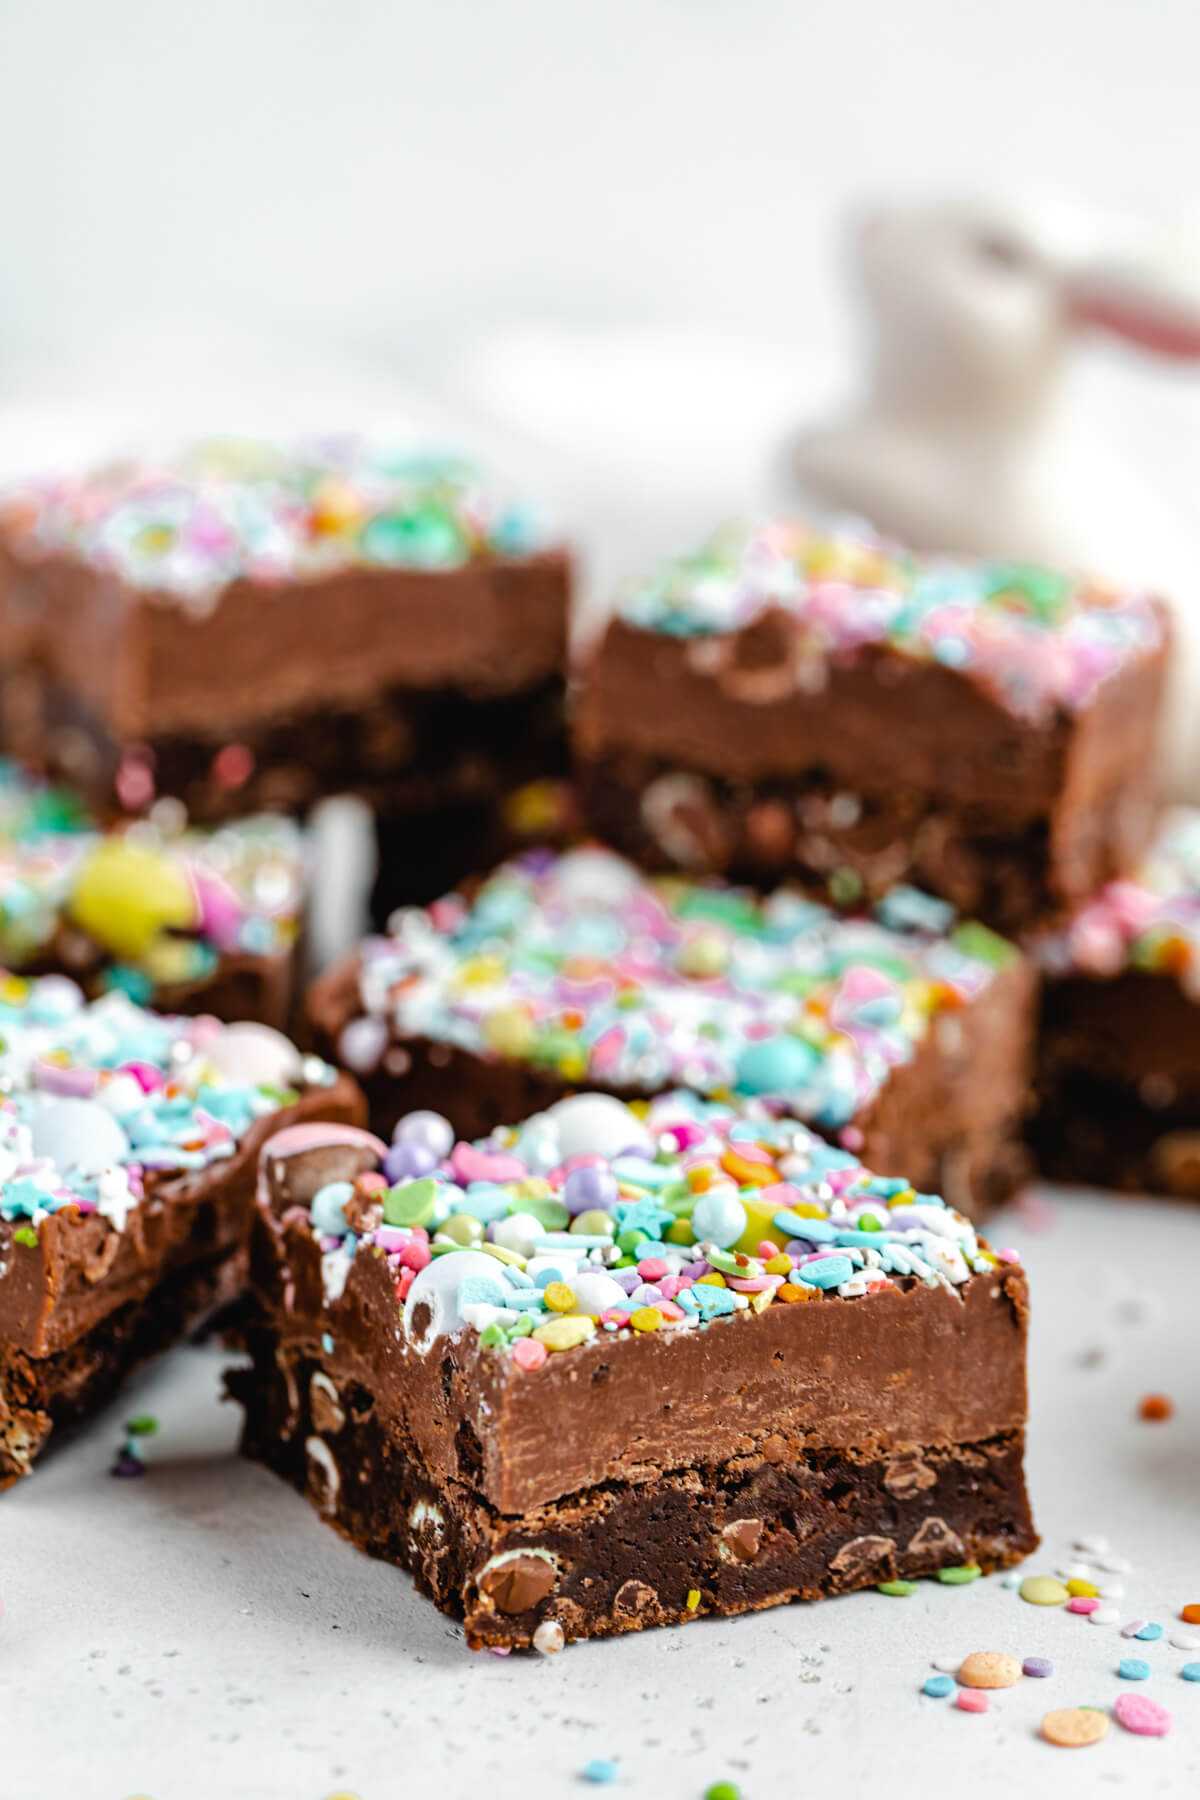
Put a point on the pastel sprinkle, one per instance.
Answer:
(1186, 1640)
(1104, 1615)
(972, 1700)
(989, 1669)
(1043, 1590)
(1082, 1590)
(1190, 1614)
(723, 1790)
(899, 1589)
(1132, 1668)
(1150, 1632)
(949, 1665)
(599, 1770)
(1081, 1605)
(1135, 1628)
(1039, 1667)
(1073, 1727)
(1191, 1671)
(1140, 1714)
(938, 1686)
(959, 1574)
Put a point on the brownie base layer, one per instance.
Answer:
(1118, 1084)
(951, 1121)
(718, 1538)
(811, 829)
(409, 752)
(42, 1394)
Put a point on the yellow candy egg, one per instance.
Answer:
(127, 895)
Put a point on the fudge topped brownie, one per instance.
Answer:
(249, 625)
(180, 917)
(783, 700)
(615, 1365)
(127, 1148)
(904, 1033)
(1118, 1080)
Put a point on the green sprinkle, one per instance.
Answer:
(900, 1588)
(845, 886)
(723, 1790)
(25, 1234)
(145, 1425)
(411, 1203)
(492, 1336)
(974, 939)
(959, 1574)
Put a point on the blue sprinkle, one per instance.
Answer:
(817, 1231)
(938, 1686)
(1191, 1671)
(544, 1277)
(1132, 1668)
(1150, 1633)
(327, 1342)
(828, 1272)
(600, 1769)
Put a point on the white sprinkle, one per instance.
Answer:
(1013, 1579)
(948, 1665)
(1111, 1590)
(1091, 1545)
(1186, 1640)
(1133, 1627)
(1076, 1571)
(1104, 1615)
(1115, 1565)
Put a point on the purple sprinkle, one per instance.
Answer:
(799, 1246)
(590, 1189)
(629, 1279)
(1037, 1666)
(126, 1465)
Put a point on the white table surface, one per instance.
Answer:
(200, 1634)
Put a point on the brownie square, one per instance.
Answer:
(187, 920)
(249, 627)
(128, 1152)
(1118, 1078)
(620, 1367)
(902, 1035)
(782, 703)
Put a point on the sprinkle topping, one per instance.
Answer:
(1033, 638)
(228, 510)
(586, 969)
(161, 903)
(98, 1097)
(589, 1218)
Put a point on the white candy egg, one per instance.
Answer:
(249, 1055)
(78, 1134)
(598, 1125)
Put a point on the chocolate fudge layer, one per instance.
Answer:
(1118, 1080)
(250, 627)
(786, 704)
(128, 1146)
(623, 1367)
(903, 1035)
(185, 920)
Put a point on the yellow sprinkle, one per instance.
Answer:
(534, 1187)
(714, 1278)
(646, 1318)
(1043, 1590)
(693, 1599)
(681, 1232)
(1082, 1590)
(502, 1254)
(565, 1334)
(558, 1297)
(778, 1265)
(759, 1302)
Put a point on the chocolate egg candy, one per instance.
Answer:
(249, 1055)
(78, 1135)
(297, 1162)
(597, 1125)
(432, 1307)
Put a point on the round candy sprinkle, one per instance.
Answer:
(1186, 1640)
(972, 1700)
(1191, 1671)
(1043, 1590)
(948, 1665)
(722, 1790)
(1140, 1714)
(1103, 1615)
(1150, 1632)
(989, 1669)
(1074, 1726)
(959, 1574)
(1039, 1667)
(1082, 1605)
(600, 1769)
(549, 1638)
(1082, 1590)
(1134, 1628)
(897, 1589)
(1132, 1668)
(1190, 1614)
(1156, 1408)
(938, 1686)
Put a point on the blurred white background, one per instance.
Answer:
(607, 234)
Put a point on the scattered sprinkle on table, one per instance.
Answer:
(600, 1769)
(1079, 1589)
(989, 1669)
(1149, 1632)
(1190, 1614)
(1091, 1545)
(1191, 1671)
(1138, 1713)
(899, 1589)
(949, 1665)
(1132, 1668)
(1186, 1640)
(938, 1686)
(1134, 1627)
(1039, 1667)
(1080, 1604)
(1043, 1590)
(723, 1790)
(1074, 1726)
(1103, 1615)
(972, 1700)
(1156, 1408)
(959, 1573)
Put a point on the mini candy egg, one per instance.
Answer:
(536, 1144)
(427, 1130)
(595, 877)
(598, 1125)
(250, 1055)
(328, 1208)
(78, 1134)
(719, 1216)
(774, 1065)
(408, 1161)
(432, 1309)
(519, 1232)
(595, 1294)
(590, 1189)
(126, 895)
(361, 1045)
(592, 1224)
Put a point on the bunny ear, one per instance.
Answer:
(1156, 310)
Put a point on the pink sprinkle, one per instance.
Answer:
(529, 1353)
(1136, 1713)
(670, 1286)
(781, 1196)
(1082, 1603)
(416, 1255)
(766, 1250)
(668, 1309)
(971, 1700)
(499, 1649)
(652, 1268)
(752, 1284)
(390, 1237)
(1009, 1255)
(407, 1277)
(370, 1181)
(852, 1139)
(145, 1074)
(612, 1315)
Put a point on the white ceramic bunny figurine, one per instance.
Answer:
(963, 442)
